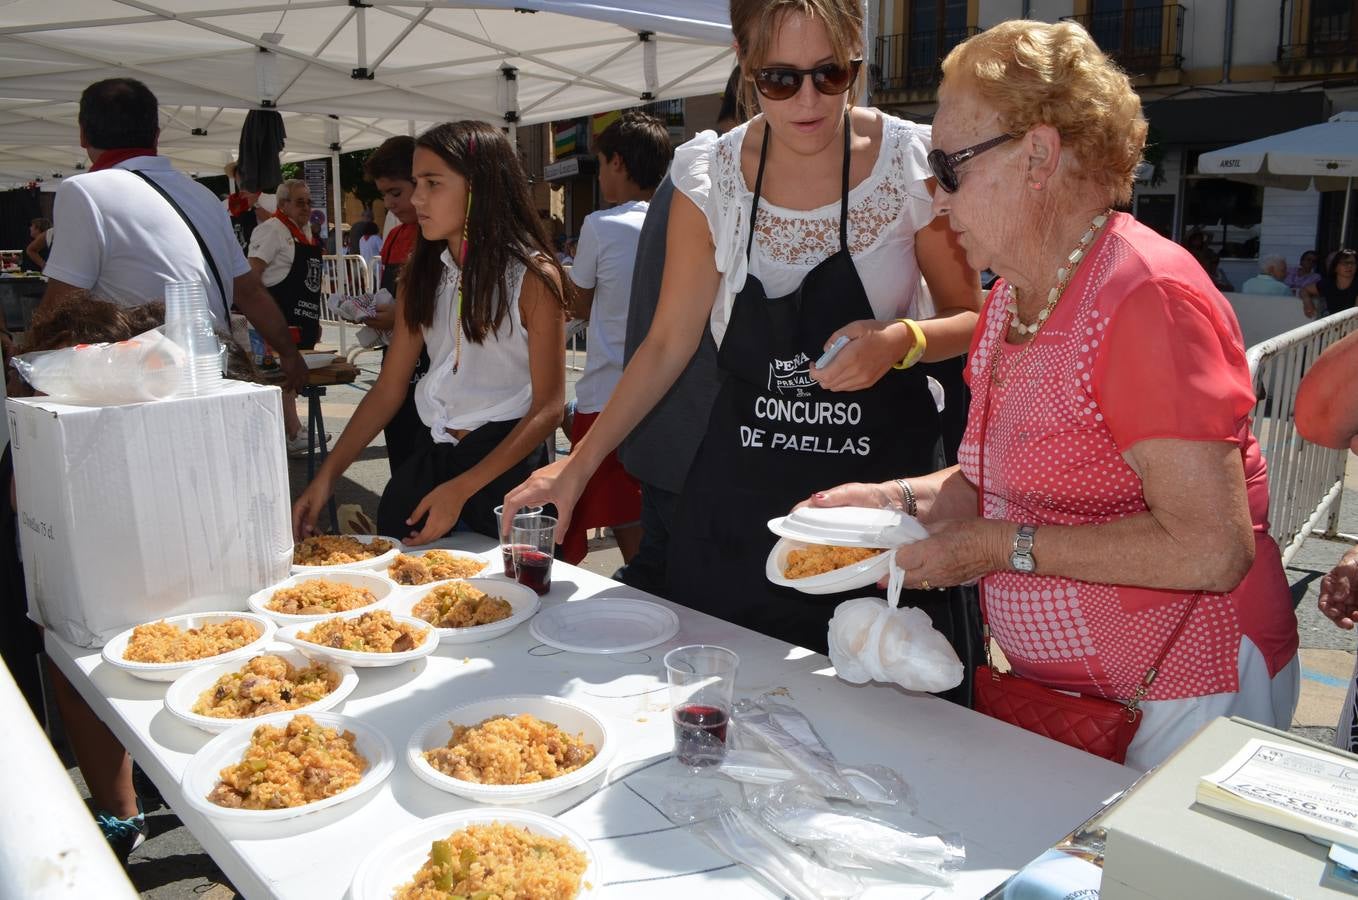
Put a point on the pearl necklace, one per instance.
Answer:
(1063, 276)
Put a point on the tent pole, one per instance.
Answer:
(1344, 223)
(343, 269)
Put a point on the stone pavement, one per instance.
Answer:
(172, 866)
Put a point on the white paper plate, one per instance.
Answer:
(204, 768)
(605, 625)
(114, 649)
(377, 562)
(381, 586)
(461, 554)
(848, 578)
(524, 602)
(395, 861)
(181, 696)
(569, 717)
(849, 526)
(288, 634)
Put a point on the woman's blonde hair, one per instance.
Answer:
(1034, 73)
(755, 23)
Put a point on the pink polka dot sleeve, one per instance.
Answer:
(1172, 365)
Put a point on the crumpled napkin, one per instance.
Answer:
(873, 641)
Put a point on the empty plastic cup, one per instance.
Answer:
(189, 324)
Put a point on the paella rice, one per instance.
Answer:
(518, 749)
(498, 861)
(266, 684)
(291, 766)
(434, 565)
(460, 605)
(336, 550)
(817, 559)
(161, 642)
(372, 632)
(319, 596)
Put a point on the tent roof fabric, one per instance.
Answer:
(380, 65)
(1325, 155)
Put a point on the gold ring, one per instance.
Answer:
(924, 585)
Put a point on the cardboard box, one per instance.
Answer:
(130, 513)
(1161, 844)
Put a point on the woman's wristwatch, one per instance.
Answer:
(1021, 558)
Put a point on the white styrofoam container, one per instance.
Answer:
(132, 513)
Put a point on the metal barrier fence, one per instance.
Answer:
(348, 274)
(1305, 480)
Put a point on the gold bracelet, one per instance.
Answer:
(916, 351)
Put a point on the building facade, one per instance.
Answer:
(1211, 73)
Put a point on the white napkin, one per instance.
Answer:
(871, 640)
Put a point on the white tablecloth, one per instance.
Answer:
(1008, 793)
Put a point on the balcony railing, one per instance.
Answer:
(909, 61)
(1330, 38)
(1141, 40)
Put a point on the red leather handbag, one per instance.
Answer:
(1093, 724)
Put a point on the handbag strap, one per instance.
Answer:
(202, 245)
(1151, 673)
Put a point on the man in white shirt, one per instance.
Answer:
(122, 238)
(633, 154)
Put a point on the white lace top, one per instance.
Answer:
(885, 211)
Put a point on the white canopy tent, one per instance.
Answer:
(1323, 156)
(378, 64)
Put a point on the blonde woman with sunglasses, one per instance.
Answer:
(806, 226)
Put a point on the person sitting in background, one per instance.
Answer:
(1304, 278)
(39, 245)
(288, 261)
(634, 154)
(1272, 271)
(1211, 263)
(1338, 290)
(370, 244)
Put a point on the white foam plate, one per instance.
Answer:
(849, 526)
(181, 696)
(358, 659)
(395, 861)
(318, 359)
(605, 625)
(114, 649)
(377, 562)
(523, 601)
(204, 768)
(381, 586)
(848, 578)
(569, 717)
(461, 554)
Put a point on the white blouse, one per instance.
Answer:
(492, 383)
(885, 211)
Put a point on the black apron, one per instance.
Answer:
(243, 226)
(299, 294)
(405, 433)
(775, 436)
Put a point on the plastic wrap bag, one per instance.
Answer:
(788, 734)
(872, 640)
(749, 842)
(797, 815)
(146, 367)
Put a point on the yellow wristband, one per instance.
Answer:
(917, 349)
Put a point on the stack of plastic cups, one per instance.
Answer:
(189, 324)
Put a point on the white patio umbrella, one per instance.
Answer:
(1323, 156)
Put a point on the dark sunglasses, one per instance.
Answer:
(944, 165)
(782, 83)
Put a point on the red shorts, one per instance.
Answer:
(612, 497)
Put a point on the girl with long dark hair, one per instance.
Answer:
(482, 291)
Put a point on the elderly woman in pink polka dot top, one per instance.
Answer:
(1108, 443)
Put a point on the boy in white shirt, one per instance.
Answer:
(633, 154)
